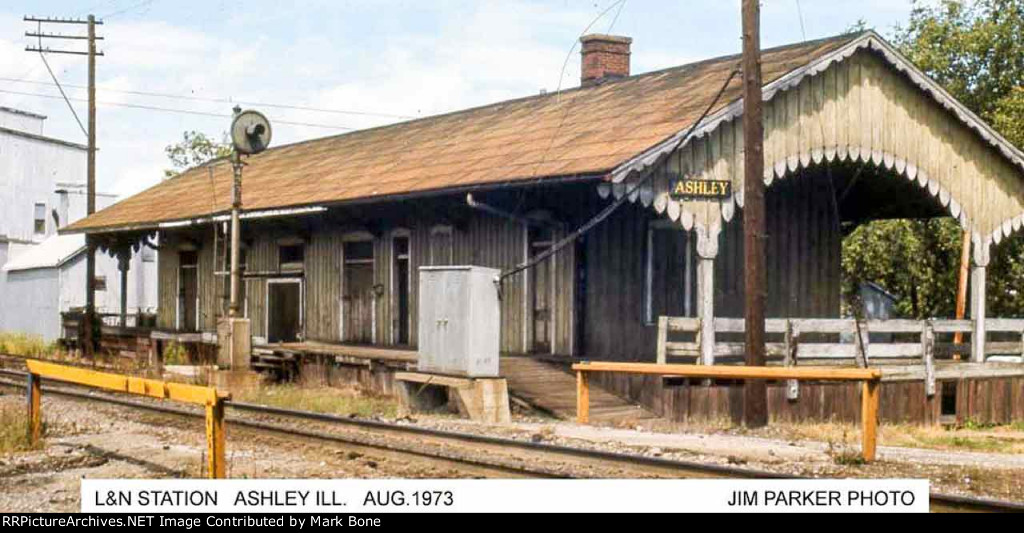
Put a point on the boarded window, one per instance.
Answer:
(39, 219)
(441, 246)
(671, 282)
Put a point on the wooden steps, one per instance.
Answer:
(552, 388)
(281, 363)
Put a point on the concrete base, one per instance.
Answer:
(479, 399)
(235, 346)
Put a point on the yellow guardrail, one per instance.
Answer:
(208, 397)
(869, 377)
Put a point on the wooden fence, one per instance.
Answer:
(819, 340)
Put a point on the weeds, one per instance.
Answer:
(14, 431)
(25, 345)
(320, 400)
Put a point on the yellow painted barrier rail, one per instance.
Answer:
(869, 377)
(208, 397)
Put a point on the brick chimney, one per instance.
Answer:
(605, 57)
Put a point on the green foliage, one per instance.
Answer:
(194, 149)
(976, 51)
(175, 354)
(917, 260)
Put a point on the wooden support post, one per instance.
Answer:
(862, 340)
(662, 356)
(706, 308)
(928, 353)
(869, 418)
(35, 409)
(792, 340)
(124, 257)
(978, 313)
(582, 397)
(216, 462)
(961, 288)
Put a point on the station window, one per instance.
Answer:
(670, 284)
(292, 256)
(39, 219)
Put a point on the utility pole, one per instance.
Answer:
(89, 342)
(755, 393)
(236, 241)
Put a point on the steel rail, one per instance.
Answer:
(938, 502)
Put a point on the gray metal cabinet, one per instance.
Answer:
(460, 321)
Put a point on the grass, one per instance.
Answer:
(25, 345)
(978, 438)
(13, 431)
(320, 400)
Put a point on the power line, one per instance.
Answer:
(144, 3)
(221, 100)
(800, 15)
(172, 110)
(39, 35)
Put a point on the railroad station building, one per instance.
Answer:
(335, 229)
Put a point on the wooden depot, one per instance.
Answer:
(479, 399)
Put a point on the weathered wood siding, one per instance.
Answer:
(861, 110)
(482, 240)
(802, 256)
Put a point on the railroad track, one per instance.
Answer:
(531, 455)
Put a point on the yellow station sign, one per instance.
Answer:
(684, 188)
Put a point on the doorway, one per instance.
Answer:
(284, 310)
(188, 291)
(400, 284)
(358, 292)
(542, 294)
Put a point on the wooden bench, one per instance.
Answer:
(869, 377)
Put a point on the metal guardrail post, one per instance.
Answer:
(869, 418)
(215, 442)
(34, 394)
(582, 397)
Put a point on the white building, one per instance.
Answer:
(42, 188)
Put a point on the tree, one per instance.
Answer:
(975, 50)
(194, 149)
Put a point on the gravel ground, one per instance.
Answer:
(976, 474)
(105, 441)
(102, 441)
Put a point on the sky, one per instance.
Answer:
(351, 63)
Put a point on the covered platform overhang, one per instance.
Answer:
(890, 142)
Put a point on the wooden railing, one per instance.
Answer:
(801, 340)
(209, 397)
(869, 377)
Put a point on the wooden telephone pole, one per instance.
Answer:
(89, 342)
(755, 393)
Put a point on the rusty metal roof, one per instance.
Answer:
(576, 133)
